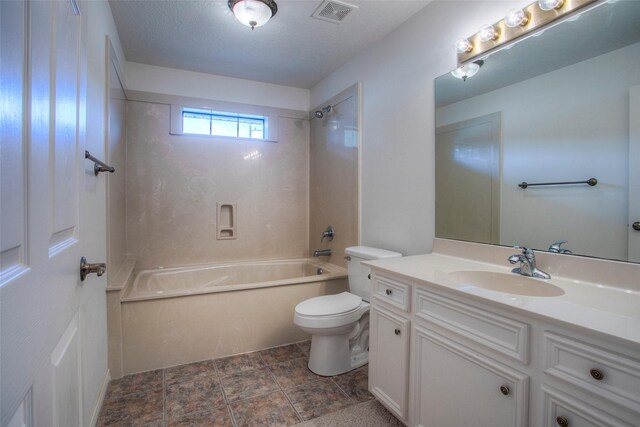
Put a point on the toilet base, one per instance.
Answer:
(336, 354)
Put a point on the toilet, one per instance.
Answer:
(339, 324)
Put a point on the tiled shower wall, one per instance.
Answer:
(333, 173)
(175, 181)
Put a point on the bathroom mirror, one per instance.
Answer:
(562, 105)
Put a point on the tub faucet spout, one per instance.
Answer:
(322, 252)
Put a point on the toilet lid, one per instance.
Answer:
(327, 305)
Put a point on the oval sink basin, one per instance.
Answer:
(507, 283)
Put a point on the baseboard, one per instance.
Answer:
(103, 393)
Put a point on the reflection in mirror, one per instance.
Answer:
(562, 105)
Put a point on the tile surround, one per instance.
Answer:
(270, 387)
(175, 181)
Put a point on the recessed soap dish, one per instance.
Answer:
(226, 221)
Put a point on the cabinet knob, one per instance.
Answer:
(597, 374)
(388, 291)
(562, 421)
(369, 276)
(397, 331)
(504, 390)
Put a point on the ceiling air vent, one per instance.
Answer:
(333, 11)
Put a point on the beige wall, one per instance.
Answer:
(175, 181)
(333, 166)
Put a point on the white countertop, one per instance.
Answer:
(613, 311)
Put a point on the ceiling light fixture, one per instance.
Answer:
(253, 13)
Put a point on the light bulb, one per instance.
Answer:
(550, 4)
(487, 33)
(516, 18)
(464, 46)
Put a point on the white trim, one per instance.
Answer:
(101, 396)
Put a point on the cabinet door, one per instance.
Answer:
(455, 386)
(389, 360)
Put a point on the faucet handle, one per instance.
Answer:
(328, 233)
(514, 259)
(555, 247)
(526, 251)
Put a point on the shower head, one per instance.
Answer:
(320, 113)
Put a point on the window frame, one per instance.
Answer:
(232, 117)
(270, 128)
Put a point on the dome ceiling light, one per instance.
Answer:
(253, 13)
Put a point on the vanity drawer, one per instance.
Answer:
(391, 291)
(561, 410)
(610, 375)
(499, 333)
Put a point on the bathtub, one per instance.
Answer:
(173, 316)
(174, 282)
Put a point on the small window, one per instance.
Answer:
(216, 123)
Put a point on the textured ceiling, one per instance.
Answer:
(292, 49)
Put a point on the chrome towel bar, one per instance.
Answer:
(99, 165)
(591, 182)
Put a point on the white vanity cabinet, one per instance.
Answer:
(478, 364)
(454, 385)
(389, 335)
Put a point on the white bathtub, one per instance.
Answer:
(172, 316)
(173, 282)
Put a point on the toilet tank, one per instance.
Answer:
(359, 283)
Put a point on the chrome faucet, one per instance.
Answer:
(322, 252)
(527, 260)
(328, 233)
(555, 248)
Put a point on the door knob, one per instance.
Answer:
(636, 226)
(87, 268)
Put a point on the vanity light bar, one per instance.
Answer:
(536, 17)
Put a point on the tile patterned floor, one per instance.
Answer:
(271, 387)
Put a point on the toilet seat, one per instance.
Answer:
(330, 311)
(329, 305)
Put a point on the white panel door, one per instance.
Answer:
(634, 174)
(44, 180)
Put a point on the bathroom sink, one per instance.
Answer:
(507, 283)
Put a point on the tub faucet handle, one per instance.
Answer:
(328, 233)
